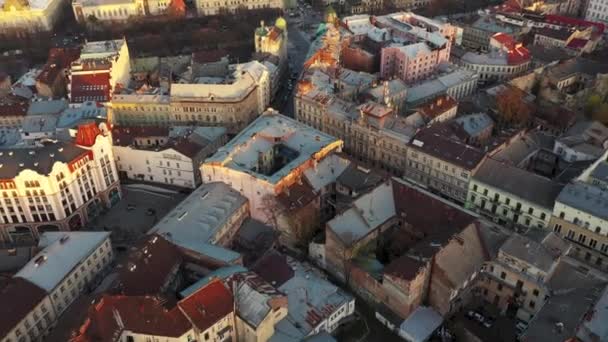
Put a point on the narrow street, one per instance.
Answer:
(298, 46)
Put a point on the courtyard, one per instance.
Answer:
(140, 208)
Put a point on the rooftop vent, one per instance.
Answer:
(40, 260)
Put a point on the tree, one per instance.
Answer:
(303, 223)
(272, 210)
(601, 113)
(511, 107)
(593, 103)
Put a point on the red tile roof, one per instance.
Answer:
(577, 43)
(437, 106)
(87, 134)
(90, 87)
(518, 55)
(13, 107)
(208, 305)
(505, 40)
(570, 21)
(144, 315)
(18, 297)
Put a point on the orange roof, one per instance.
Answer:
(208, 305)
(87, 134)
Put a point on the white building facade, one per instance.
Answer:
(58, 186)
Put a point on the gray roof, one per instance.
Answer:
(601, 172)
(421, 324)
(595, 326)
(574, 293)
(587, 198)
(47, 107)
(39, 159)
(522, 147)
(521, 183)
(529, 251)
(358, 178)
(62, 252)
(198, 218)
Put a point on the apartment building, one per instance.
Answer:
(444, 165)
(314, 304)
(505, 59)
(418, 46)
(165, 155)
(57, 185)
(26, 310)
(214, 7)
(140, 109)
(36, 296)
(580, 216)
(510, 195)
(232, 101)
(206, 315)
(68, 264)
(119, 11)
(266, 158)
(597, 10)
(102, 66)
(29, 16)
(517, 280)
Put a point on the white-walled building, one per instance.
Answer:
(267, 157)
(26, 311)
(56, 185)
(101, 67)
(29, 16)
(165, 155)
(117, 11)
(231, 101)
(213, 7)
(314, 304)
(512, 196)
(597, 10)
(68, 264)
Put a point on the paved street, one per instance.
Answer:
(298, 46)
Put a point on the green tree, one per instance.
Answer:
(601, 113)
(594, 101)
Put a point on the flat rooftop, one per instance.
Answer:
(62, 252)
(272, 131)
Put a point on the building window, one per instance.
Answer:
(535, 292)
(503, 275)
(557, 228)
(499, 287)
(582, 238)
(532, 304)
